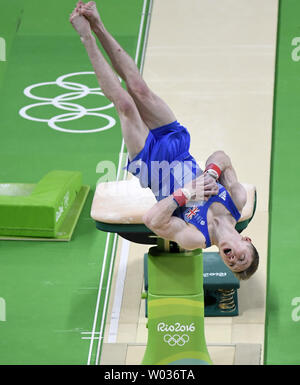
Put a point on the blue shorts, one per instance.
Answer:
(165, 164)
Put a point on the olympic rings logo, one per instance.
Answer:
(176, 339)
(76, 111)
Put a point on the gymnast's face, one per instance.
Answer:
(237, 254)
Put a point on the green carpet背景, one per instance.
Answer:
(52, 293)
(282, 326)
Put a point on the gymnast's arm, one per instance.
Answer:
(229, 178)
(159, 219)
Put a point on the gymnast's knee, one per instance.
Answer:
(125, 105)
(139, 89)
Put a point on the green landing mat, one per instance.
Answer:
(282, 326)
(67, 228)
(53, 295)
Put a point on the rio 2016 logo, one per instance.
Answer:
(63, 206)
(296, 309)
(176, 339)
(2, 310)
(2, 49)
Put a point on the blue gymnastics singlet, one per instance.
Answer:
(197, 214)
(165, 164)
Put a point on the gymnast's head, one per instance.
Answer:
(241, 256)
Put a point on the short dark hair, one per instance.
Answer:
(246, 274)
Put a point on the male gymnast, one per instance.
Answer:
(195, 209)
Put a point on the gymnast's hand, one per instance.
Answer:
(80, 24)
(202, 188)
(89, 10)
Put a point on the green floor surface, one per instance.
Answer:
(49, 302)
(282, 328)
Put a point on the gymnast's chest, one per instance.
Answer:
(204, 216)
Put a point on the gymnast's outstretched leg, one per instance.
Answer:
(153, 110)
(133, 128)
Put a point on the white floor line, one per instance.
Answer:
(120, 282)
(110, 273)
(98, 300)
(122, 269)
(138, 47)
(93, 337)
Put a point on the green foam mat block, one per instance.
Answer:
(46, 210)
(67, 228)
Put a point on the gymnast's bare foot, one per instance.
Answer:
(89, 10)
(80, 24)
